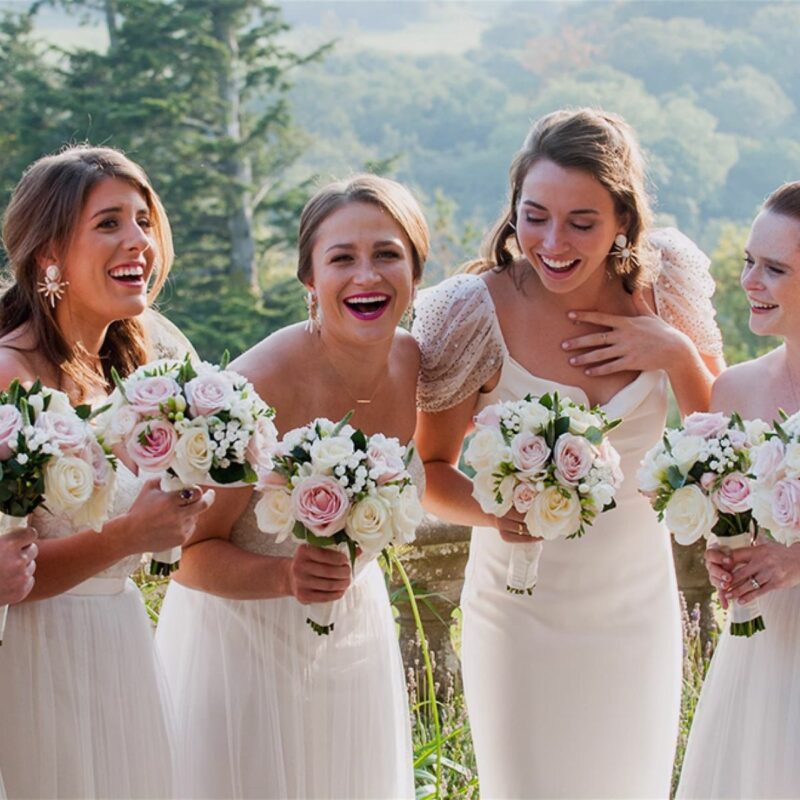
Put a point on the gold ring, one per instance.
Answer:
(520, 529)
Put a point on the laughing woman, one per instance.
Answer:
(745, 737)
(81, 707)
(266, 708)
(573, 691)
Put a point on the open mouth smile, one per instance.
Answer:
(761, 308)
(128, 274)
(367, 306)
(558, 268)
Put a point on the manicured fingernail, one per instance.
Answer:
(573, 360)
(587, 372)
(572, 315)
(727, 562)
(565, 345)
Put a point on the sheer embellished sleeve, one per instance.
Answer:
(683, 290)
(164, 339)
(460, 340)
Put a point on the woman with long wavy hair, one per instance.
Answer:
(83, 714)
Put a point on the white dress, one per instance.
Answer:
(575, 690)
(82, 702)
(266, 708)
(745, 738)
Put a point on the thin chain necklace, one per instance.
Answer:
(357, 400)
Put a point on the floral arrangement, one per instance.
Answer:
(50, 457)
(190, 424)
(548, 458)
(698, 480)
(776, 484)
(332, 485)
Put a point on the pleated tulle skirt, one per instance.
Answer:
(745, 738)
(267, 708)
(82, 703)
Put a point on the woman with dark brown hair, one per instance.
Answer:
(266, 707)
(82, 709)
(745, 734)
(573, 691)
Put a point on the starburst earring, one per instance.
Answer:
(51, 286)
(313, 323)
(622, 251)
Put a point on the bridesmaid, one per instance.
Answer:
(746, 731)
(573, 691)
(80, 692)
(266, 708)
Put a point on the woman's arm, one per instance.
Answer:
(213, 564)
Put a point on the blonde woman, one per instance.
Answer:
(573, 691)
(83, 714)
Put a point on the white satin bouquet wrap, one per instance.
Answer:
(191, 425)
(333, 486)
(698, 479)
(548, 458)
(50, 457)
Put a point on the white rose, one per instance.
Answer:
(555, 513)
(59, 402)
(328, 452)
(761, 499)
(767, 460)
(690, 514)
(580, 420)
(95, 511)
(407, 511)
(274, 513)
(193, 454)
(755, 430)
(602, 494)
(485, 492)
(534, 416)
(653, 470)
(68, 483)
(369, 524)
(686, 451)
(120, 424)
(792, 458)
(486, 450)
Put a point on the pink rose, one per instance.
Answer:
(269, 479)
(786, 503)
(102, 470)
(320, 503)
(263, 443)
(707, 481)
(705, 424)
(733, 495)
(121, 423)
(148, 395)
(523, 497)
(529, 452)
(385, 459)
(207, 394)
(152, 445)
(489, 417)
(65, 431)
(10, 426)
(768, 459)
(573, 457)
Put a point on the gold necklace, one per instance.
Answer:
(356, 400)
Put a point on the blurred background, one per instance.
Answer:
(238, 109)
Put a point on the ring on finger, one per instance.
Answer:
(520, 529)
(605, 337)
(754, 583)
(186, 495)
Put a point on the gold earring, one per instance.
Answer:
(409, 315)
(51, 285)
(622, 251)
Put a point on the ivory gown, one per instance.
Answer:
(575, 690)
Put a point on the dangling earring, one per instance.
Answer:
(409, 315)
(51, 286)
(622, 252)
(312, 323)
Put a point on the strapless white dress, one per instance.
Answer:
(83, 708)
(268, 709)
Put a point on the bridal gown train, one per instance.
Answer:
(745, 737)
(573, 691)
(83, 708)
(266, 708)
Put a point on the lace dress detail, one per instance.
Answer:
(165, 339)
(460, 341)
(53, 526)
(683, 290)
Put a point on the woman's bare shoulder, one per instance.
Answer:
(733, 389)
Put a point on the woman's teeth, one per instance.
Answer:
(366, 304)
(761, 306)
(558, 266)
(127, 273)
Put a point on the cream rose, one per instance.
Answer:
(369, 524)
(690, 514)
(792, 458)
(274, 513)
(485, 492)
(193, 455)
(68, 483)
(555, 513)
(534, 416)
(486, 449)
(407, 511)
(330, 451)
(686, 451)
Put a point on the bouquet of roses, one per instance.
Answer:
(190, 424)
(549, 458)
(776, 484)
(332, 485)
(50, 457)
(698, 480)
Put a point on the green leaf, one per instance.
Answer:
(594, 435)
(342, 422)
(675, 477)
(359, 440)
(226, 359)
(118, 382)
(561, 426)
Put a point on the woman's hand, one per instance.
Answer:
(18, 551)
(512, 528)
(747, 573)
(319, 574)
(161, 520)
(631, 344)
